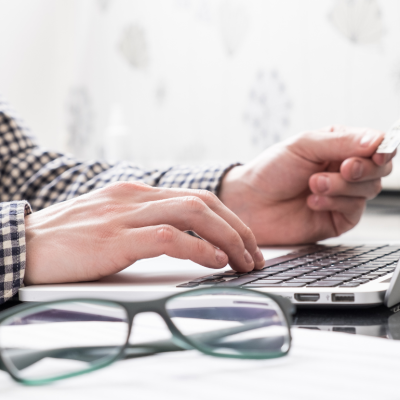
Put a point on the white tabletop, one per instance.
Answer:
(321, 365)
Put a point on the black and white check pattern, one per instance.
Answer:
(12, 247)
(29, 173)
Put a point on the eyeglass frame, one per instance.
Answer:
(178, 341)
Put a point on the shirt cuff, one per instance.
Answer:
(207, 178)
(12, 247)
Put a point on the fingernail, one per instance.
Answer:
(258, 256)
(356, 170)
(221, 257)
(380, 159)
(322, 183)
(315, 199)
(368, 138)
(248, 257)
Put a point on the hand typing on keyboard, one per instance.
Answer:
(309, 187)
(106, 230)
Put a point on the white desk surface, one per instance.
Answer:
(321, 365)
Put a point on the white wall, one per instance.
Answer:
(185, 81)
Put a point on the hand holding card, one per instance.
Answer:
(310, 187)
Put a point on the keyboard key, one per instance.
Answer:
(275, 269)
(350, 284)
(325, 284)
(370, 277)
(374, 265)
(261, 274)
(348, 264)
(332, 270)
(212, 282)
(285, 284)
(378, 273)
(322, 263)
(256, 285)
(318, 265)
(291, 264)
(314, 276)
(350, 274)
(333, 278)
(361, 280)
(360, 270)
(320, 273)
(272, 278)
(288, 275)
(204, 279)
(226, 275)
(372, 269)
(388, 270)
(304, 271)
(242, 280)
(292, 284)
(264, 281)
(344, 278)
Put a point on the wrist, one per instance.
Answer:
(233, 191)
(28, 278)
(35, 271)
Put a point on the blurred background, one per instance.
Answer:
(163, 82)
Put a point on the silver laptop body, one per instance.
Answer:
(161, 276)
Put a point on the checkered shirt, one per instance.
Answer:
(34, 178)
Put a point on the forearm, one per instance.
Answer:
(44, 178)
(29, 172)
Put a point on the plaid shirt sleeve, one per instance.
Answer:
(12, 247)
(29, 173)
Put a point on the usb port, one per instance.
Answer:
(345, 297)
(306, 296)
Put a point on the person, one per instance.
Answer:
(65, 220)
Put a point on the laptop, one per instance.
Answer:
(311, 276)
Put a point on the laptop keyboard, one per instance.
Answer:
(315, 266)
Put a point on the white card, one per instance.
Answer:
(391, 140)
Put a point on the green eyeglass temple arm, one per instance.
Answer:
(23, 358)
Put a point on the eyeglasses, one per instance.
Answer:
(41, 343)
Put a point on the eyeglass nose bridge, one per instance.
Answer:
(153, 306)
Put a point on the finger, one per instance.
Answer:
(333, 184)
(380, 159)
(221, 210)
(357, 169)
(346, 211)
(338, 144)
(154, 241)
(190, 213)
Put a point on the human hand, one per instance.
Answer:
(105, 231)
(309, 187)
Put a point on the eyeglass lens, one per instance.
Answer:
(59, 339)
(246, 324)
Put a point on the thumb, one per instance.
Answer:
(336, 144)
